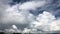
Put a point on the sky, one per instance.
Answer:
(29, 15)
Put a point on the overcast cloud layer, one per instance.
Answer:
(40, 14)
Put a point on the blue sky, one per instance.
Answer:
(23, 15)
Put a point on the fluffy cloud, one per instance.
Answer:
(12, 14)
(55, 25)
(26, 30)
(32, 5)
(46, 22)
(12, 29)
(20, 12)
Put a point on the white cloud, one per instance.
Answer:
(55, 25)
(32, 5)
(12, 14)
(26, 30)
(46, 22)
(13, 29)
(21, 14)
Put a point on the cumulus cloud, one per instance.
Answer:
(12, 14)
(13, 29)
(29, 30)
(20, 14)
(26, 30)
(46, 22)
(55, 25)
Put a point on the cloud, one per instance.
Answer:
(26, 30)
(13, 29)
(5, 2)
(3, 6)
(32, 5)
(46, 22)
(55, 25)
(13, 15)
(21, 15)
